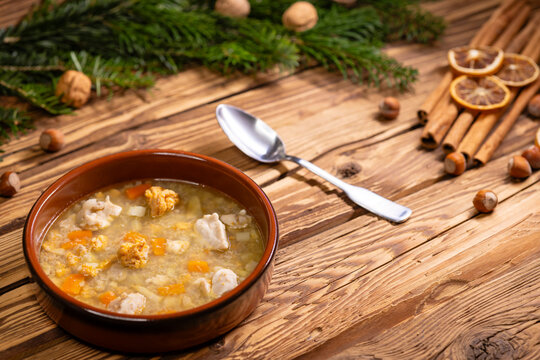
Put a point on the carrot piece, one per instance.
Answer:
(107, 297)
(136, 191)
(198, 266)
(73, 284)
(159, 245)
(79, 235)
(71, 244)
(174, 289)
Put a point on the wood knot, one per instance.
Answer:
(348, 170)
(218, 345)
(490, 348)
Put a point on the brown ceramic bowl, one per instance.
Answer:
(150, 333)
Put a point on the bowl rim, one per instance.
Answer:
(53, 290)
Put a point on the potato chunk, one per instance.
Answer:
(160, 200)
(96, 214)
(133, 252)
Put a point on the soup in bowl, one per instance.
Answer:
(151, 250)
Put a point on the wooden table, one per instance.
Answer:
(448, 283)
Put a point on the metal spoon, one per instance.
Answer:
(259, 141)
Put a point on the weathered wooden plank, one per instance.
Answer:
(305, 204)
(461, 318)
(339, 268)
(365, 280)
(324, 97)
(171, 95)
(358, 288)
(12, 11)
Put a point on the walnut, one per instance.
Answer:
(300, 16)
(160, 200)
(233, 8)
(75, 88)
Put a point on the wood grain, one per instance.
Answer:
(447, 284)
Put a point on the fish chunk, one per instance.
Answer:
(224, 280)
(132, 304)
(213, 232)
(95, 214)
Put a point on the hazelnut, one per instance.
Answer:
(10, 184)
(455, 163)
(532, 155)
(75, 88)
(534, 106)
(51, 140)
(389, 107)
(300, 16)
(233, 8)
(519, 167)
(485, 201)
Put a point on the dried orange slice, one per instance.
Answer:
(475, 61)
(479, 93)
(517, 70)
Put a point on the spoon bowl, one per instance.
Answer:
(260, 142)
(250, 134)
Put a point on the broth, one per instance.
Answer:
(151, 247)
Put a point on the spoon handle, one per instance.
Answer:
(370, 201)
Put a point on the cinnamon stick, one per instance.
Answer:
(434, 98)
(492, 143)
(494, 25)
(521, 39)
(445, 114)
(486, 151)
(458, 130)
(480, 129)
(466, 118)
(522, 13)
(486, 121)
(437, 126)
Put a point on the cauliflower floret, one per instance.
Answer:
(212, 231)
(160, 200)
(177, 246)
(90, 269)
(224, 280)
(72, 259)
(95, 215)
(236, 221)
(203, 285)
(133, 303)
(133, 252)
(98, 243)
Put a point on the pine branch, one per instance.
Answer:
(405, 20)
(13, 122)
(250, 47)
(350, 43)
(36, 87)
(124, 43)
